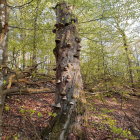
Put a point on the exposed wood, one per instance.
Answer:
(67, 123)
(17, 76)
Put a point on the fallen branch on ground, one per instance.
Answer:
(24, 91)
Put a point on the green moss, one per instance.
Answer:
(57, 129)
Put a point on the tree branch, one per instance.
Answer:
(23, 28)
(20, 6)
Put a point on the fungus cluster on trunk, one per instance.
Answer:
(69, 84)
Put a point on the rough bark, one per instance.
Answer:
(69, 84)
(3, 57)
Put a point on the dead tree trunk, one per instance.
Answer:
(69, 86)
(3, 57)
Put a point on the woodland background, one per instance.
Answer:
(110, 60)
(109, 31)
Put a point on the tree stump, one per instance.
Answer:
(69, 86)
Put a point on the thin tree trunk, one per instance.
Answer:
(69, 86)
(3, 53)
(23, 57)
(34, 59)
(22, 38)
(129, 63)
(128, 60)
(103, 59)
(137, 62)
(23, 53)
(14, 62)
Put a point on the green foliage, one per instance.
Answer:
(15, 137)
(101, 27)
(112, 124)
(52, 114)
(39, 114)
(103, 119)
(31, 111)
(7, 108)
(104, 110)
(4, 82)
(22, 111)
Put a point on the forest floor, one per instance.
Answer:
(110, 116)
(113, 117)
